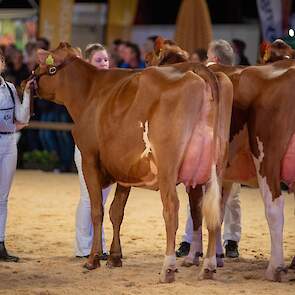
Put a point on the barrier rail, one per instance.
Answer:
(58, 126)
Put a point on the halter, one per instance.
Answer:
(51, 71)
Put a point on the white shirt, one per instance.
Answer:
(21, 113)
(210, 63)
(22, 110)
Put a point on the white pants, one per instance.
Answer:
(232, 218)
(232, 215)
(8, 159)
(84, 227)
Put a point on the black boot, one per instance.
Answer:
(183, 249)
(4, 256)
(231, 249)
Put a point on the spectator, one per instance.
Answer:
(131, 56)
(16, 70)
(115, 58)
(30, 55)
(239, 47)
(199, 55)
(43, 43)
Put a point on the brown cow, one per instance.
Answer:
(259, 147)
(166, 52)
(263, 120)
(262, 144)
(139, 128)
(275, 51)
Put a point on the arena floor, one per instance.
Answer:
(41, 231)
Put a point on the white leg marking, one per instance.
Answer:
(169, 264)
(169, 261)
(274, 212)
(208, 268)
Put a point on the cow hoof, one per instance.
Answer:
(114, 261)
(168, 276)
(207, 274)
(92, 263)
(275, 275)
(292, 265)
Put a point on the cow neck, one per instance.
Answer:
(77, 83)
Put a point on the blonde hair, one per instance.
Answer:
(78, 52)
(91, 49)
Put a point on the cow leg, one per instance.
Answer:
(116, 216)
(92, 178)
(274, 212)
(196, 247)
(210, 263)
(170, 213)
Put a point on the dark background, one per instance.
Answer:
(165, 12)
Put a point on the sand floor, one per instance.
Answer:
(41, 231)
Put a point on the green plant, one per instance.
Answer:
(43, 160)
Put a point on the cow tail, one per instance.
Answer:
(210, 78)
(211, 202)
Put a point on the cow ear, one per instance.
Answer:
(148, 58)
(64, 45)
(42, 56)
(159, 44)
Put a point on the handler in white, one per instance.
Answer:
(96, 55)
(84, 227)
(14, 115)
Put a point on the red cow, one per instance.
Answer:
(152, 128)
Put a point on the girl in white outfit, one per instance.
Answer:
(96, 55)
(14, 115)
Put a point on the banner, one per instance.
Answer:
(55, 22)
(270, 13)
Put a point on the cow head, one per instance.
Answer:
(275, 51)
(47, 75)
(165, 52)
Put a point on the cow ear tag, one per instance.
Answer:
(266, 55)
(159, 54)
(49, 60)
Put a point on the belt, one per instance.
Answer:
(6, 132)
